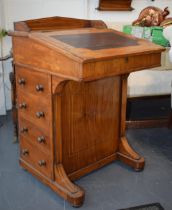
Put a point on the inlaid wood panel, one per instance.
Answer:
(90, 122)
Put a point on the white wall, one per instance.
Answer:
(16, 10)
(125, 16)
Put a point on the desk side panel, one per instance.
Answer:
(90, 117)
(30, 53)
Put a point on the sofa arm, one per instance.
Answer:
(168, 35)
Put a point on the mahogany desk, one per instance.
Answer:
(71, 96)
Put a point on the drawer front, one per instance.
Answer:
(36, 158)
(135, 63)
(34, 110)
(34, 135)
(33, 82)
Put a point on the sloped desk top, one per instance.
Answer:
(87, 47)
(93, 43)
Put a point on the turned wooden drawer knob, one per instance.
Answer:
(22, 81)
(24, 130)
(39, 88)
(41, 163)
(40, 114)
(25, 152)
(41, 139)
(22, 106)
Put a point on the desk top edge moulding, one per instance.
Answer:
(115, 5)
(71, 91)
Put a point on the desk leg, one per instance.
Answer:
(68, 190)
(63, 186)
(126, 154)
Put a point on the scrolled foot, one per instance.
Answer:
(127, 155)
(68, 190)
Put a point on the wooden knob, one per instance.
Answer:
(25, 152)
(41, 163)
(39, 114)
(22, 81)
(39, 88)
(22, 105)
(24, 130)
(41, 139)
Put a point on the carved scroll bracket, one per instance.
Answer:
(58, 84)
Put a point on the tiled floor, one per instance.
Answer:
(110, 188)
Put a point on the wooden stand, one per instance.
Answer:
(71, 95)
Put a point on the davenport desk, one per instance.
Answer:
(71, 97)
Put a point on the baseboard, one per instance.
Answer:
(147, 123)
(149, 111)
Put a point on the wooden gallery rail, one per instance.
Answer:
(71, 90)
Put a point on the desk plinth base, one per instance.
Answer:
(63, 185)
(74, 194)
